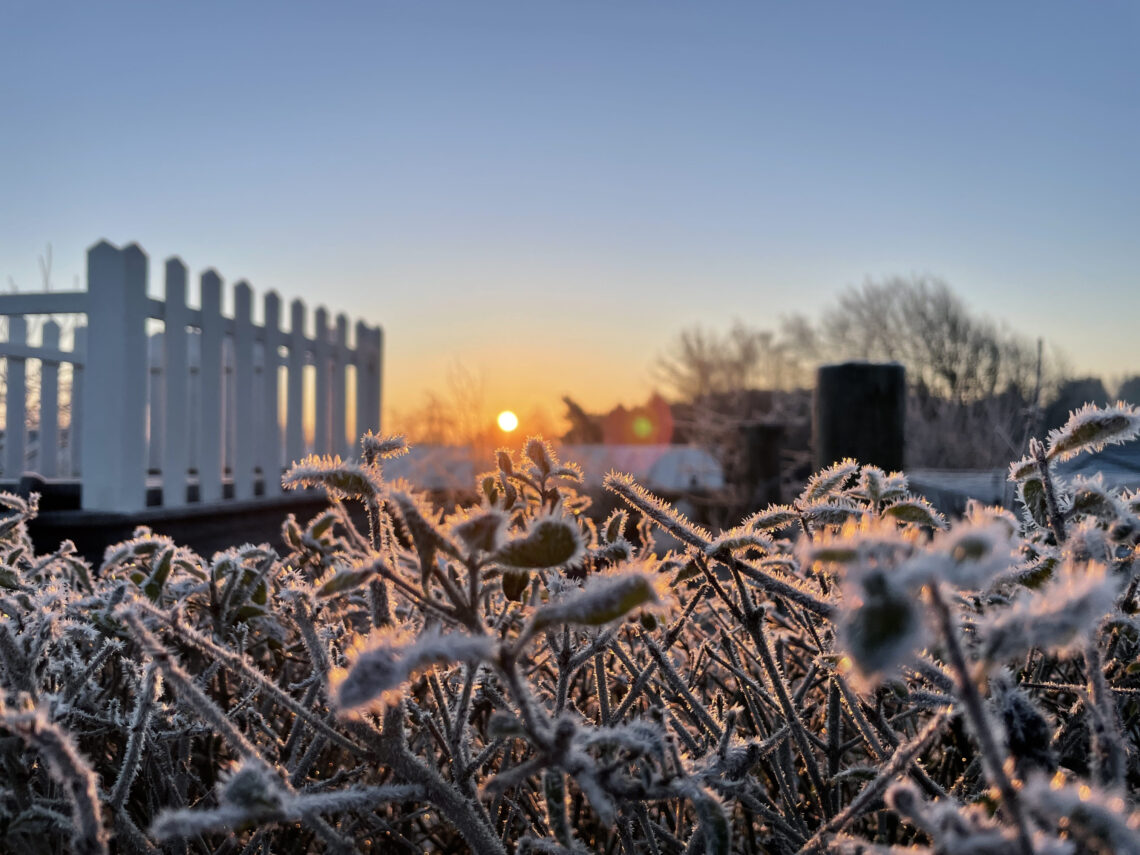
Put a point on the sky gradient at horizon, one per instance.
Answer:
(547, 192)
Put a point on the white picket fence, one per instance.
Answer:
(209, 399)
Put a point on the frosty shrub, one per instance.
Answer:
(847, 673)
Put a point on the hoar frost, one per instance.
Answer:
(380, 666)
(608, 598)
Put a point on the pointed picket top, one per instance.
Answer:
(243, 298)
(211, 289)
(242, 420)
(175, 268)
(210, 345)
(49, 405)
(51, 334)
(360, 339)
(136, 262)
(297, 317)
(271, 449)
(271, 320)
(102, 247)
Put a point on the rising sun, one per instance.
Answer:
(508, 421)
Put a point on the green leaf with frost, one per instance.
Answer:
(346, 579)
(1090, 496)
(550, 541)
(917, 511)
(373, 447)
(381, 666)
(1031, 493)
(482, 532)
(833, 512)
(1022, 469)
(772, 518)
(163, 563)
(828, 481)
(340, 479)
(541, 455)
(1091, 428)
(514, 584)
(880, 624)
(602, 600)
(738, 539)
(615, 525)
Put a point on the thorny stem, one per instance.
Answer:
(900, 760)
(1053, 510)
(1107, 746)
(756, 630)
(975, 710)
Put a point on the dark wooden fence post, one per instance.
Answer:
(761, 476)
(860, 412)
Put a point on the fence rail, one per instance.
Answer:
(209, 396)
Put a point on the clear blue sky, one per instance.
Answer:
(548, 191)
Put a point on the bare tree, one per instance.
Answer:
(976, 387)
(923, 324)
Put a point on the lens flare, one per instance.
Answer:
(508, 421)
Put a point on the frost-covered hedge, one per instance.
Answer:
(847, 673)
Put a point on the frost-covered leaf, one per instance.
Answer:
(381, 665)
(1028, 733)
(1091, 496)
(373, 447)
(772, 518)
(828, 481)
(514, 583)
(482, 532)
(917, 511)
(607, 598)
(1023, 468)
(1091, 428)
(970, 554)
(738, 539)
(869, 539)
(1031, 494)
(614, 526)
(833, 512)
(541, 454)
(346, 579)
(1054, 618)
(550, 541)
(880, 624)
(340, 479)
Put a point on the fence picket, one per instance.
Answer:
(156, 411)
(294, 421)
(322, 443)
(363, 423)
(75, 416)
(271, 427)
(242, 460)
(16, 402)
(49, 405)
(340, 444)
(204, 396)
(210, 390)
(114, 438)
(175, 463)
